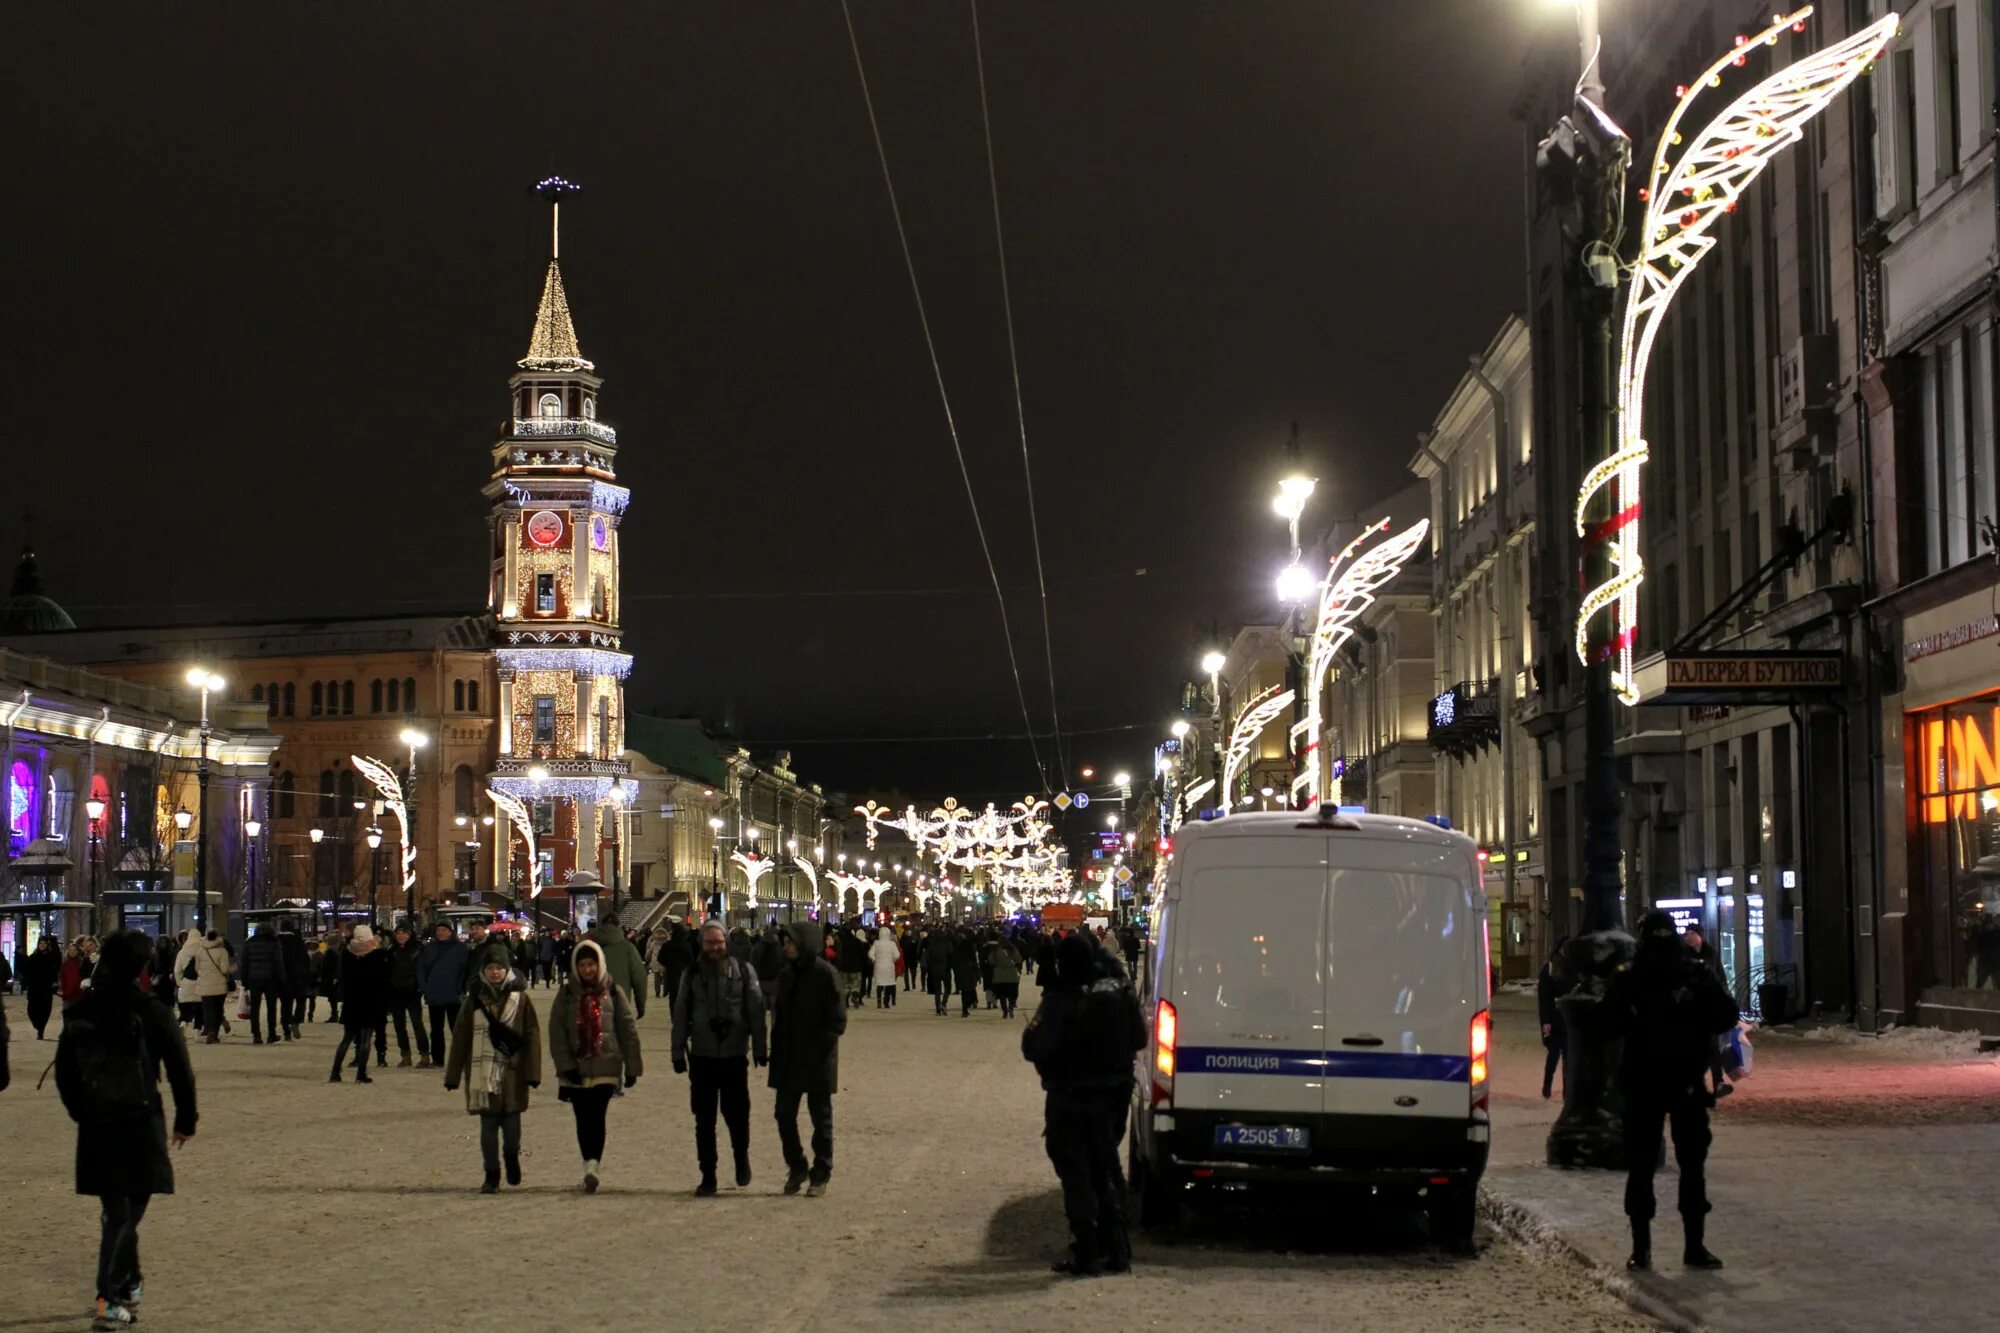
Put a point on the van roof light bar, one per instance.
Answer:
(1332, 816)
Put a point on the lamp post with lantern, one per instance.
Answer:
(205, 681)
(374, 838)
(251, 828)
(93, 810)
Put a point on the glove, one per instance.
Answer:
(680, 1065)
(631, 1079)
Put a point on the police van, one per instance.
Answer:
(1320, 1008)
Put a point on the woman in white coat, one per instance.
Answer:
(210, 983)
(884, 954)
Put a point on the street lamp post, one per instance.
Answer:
(618, 799)
(715, 866)
(374, 876)
(204, 680)
(317, 834)
(94, 810)
(251, 828)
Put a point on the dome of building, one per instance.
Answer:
(26, 609)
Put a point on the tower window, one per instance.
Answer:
(600, 605)
(375, 696)
(395, 696)
(409, 694)
(290, 699)
(545, 592)
(545, 824)
(458, 696)
(590, 409)
(551, 405)
(316, 704)
(346, 698)
(545, 719)
(472, 695)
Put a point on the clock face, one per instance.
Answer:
(600, 533)
(545, 528)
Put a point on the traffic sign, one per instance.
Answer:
(1063, 801)
(1124, 874)
(1082, 801)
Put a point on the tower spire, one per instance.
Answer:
(553, 345)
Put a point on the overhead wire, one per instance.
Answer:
(1020, 411)
(944, 397)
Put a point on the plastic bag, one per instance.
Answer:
(1738, 1057)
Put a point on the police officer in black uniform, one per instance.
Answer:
(1081, 1041)
(1669, 1009)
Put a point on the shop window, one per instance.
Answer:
(1954, 753)
(545, 719)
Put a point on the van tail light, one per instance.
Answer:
(1166, 1033)
(1481, 1042)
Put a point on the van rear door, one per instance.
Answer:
(1249, 976)
(1405, 953)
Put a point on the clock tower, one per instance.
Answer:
(553, 591)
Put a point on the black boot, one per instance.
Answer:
(513, 1168)
(1642, 1243)
(492, 1185)
(1695, 1254)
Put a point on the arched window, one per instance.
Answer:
(347, 697)
(458, 696)
(346, 790)
(551, 405)
(395, 696)
(316, 693)
(464, 793)
(326, 806)
(256, 694)
(287, 798)
(288, 699)
(375, 696)
(409, 694)
(589, 408)
(472, 695)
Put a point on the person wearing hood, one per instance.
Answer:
(114, 1044)
(496, 1049)
(1004, 963)
(656, 971)
(718, 1022)
(884, 954)
(209, 982)
(1081, 1041)
(443, 970)
(406, 995)
(1669, 1008)
(594, 1045)
(40, 971)
(364, 991)
(621, 960)
(937, 969)
(266, 980)
(808, 1016)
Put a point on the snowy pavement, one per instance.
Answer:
(1854, 1183)
(302, 1204)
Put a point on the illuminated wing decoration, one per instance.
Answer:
(517, 814)
(1266, 706)
(1191, 798)
(811, 873)
(754, 869)
(383, 778)
(1686, 196)
(1343, 596)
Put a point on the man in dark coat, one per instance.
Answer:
(364, 997)
(108, 1060)
(718, 1020)
(808, 1016)
(39, 973)
(766, 957)
(266, 980)
(965, 970)
(298, 976)
(442, 971)
(406, 996)
(1551, 985)
(1669, 1008)
(937, 968)
(1081, 1041)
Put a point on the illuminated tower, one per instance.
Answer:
(553, 589)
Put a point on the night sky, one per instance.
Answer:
(272, 265)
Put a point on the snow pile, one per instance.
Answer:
(1914, 1043)
(1516, 988)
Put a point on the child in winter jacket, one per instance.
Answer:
(496, 1048)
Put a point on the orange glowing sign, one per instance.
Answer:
(1957, 759)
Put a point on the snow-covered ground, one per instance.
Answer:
(302, 1204)
(1853, 1180)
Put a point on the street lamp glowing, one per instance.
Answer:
(715, 824)
(316, 835)
(1212, 662)
(1111, 821)
(252, 827)
(1179, 728)
(415, 739)
(1121, 779)
(182, 818)
(374, 839)
(204, 679)
(1293, 492)
(1089, 773)
(1295, 584)
(94, 808)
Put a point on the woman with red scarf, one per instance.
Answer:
(594, 1045)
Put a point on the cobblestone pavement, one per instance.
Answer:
(355, 1207)
(1853, 1182)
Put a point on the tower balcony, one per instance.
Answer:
(562, 428)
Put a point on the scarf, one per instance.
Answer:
(488, 1065)
(589, 1021)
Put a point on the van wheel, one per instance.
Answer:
(1453, 1211)
(1159, 1201)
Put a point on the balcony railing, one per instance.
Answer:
(564, 428)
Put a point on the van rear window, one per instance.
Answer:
(1250, 939)
(1401, 945)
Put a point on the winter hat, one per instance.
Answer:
(713, 923)
(363, 933)
(1657, 924)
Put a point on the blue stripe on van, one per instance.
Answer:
(1319, 1064)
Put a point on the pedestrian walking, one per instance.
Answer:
(1551, 984)
(937, 969)
(1004, 961)
(496, 1050)
(808, 1016)
(115, 1042)
(1699, 946)
(331, 947)
(165, 949)
(74, 974)
(265, 980)
(851, 958)
(203, 968)
(406, 993)
(364, 989)
(718, 1023)
(1081, 1041)
(1669, 1008)
(621, 961)
(40, 972)
(442, 972)
(594, 1045)
(965, 971)
(912, 946)
(298, 976)
(545, 958)
(883, 956)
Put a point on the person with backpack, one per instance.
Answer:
(114, 1044)
(718, 1019)
(496, 1048)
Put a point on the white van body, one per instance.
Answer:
(1326, 974)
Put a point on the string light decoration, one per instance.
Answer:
(518, 814)
(552, 346)
(584, 661)
(754, 869)
(383, 778)
(1262, 710)
(1343, 596)
(1686, 195)
(1191, 798)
